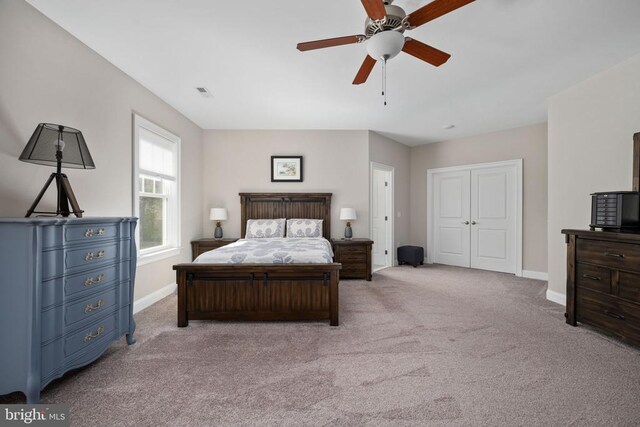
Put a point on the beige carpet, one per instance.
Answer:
(428, 346)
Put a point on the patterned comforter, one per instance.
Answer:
(271, 251)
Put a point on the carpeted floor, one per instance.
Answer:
(428, 346)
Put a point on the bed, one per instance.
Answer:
(221, 290)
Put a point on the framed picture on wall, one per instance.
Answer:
(286, 168)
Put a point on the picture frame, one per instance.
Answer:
(286, 169)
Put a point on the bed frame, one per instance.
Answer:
(264, 291)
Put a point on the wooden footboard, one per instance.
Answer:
(257, 292)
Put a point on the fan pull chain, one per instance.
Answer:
(384, 80)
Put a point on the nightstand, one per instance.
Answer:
(203, 245)
(355, 257)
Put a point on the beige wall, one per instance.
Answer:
(392, 153)
(46, 75)
(527, 143)
(591, 127)
(239, 161)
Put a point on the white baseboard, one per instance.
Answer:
(537, 275)
(557, 297)
(153, 297)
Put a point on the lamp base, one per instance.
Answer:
(348, 233)
(65, 197)
(217, 234)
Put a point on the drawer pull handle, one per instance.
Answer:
(91, 232)
(614, 315)
(91, 281)
(90, 256)
(588, 276)
(89, 336)
(612, 255)
(91, 307)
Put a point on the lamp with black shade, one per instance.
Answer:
(57, 145)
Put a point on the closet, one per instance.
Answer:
(475, 216)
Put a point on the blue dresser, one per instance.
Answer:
(66, 293)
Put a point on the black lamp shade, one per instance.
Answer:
(42, 147)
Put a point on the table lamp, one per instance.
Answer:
(348, 214)
(218, 214)
(46, 147)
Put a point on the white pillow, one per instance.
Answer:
(304, 228)
(265, 228)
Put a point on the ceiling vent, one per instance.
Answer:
(204, 92)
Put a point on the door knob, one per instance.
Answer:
(465, 222)
(473, 223)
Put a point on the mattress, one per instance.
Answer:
(271, 251)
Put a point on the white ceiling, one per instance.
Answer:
(508, 57)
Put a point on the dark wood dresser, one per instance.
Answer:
(203, 245)
(355, 257)
(603, 281)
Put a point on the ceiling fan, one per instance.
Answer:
(384, 32)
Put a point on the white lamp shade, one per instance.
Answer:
(385, 45)
(218, 214)
(348, 214)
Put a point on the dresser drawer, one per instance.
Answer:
(57, 236)
(353, 271)
(89, 335)
(91, 255)
(54, 364)
(90, 232)
(90, 307)
(629, 286)
(352, 249)
(609, 313)
(593, 277)
(55, 291)
(58, 320)
(600, 310)
(95, 279)
(68, 261)
(609, 254)
(351, 256)
(59, 353)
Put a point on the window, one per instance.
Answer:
(156, 190)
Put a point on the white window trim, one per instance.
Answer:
(146, 257)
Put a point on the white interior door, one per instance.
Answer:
(493, 218)
(451, 221)
(380, 217)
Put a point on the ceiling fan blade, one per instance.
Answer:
(338, 41)
(434, 10)
(425, 52)
(365, 70)
(375, 9)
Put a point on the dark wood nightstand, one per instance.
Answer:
(355, 257)
(203, 245)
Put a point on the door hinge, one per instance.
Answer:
(386, 218)
(386, 184)
(386, 252)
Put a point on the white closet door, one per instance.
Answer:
(493, 218)
(451, 218)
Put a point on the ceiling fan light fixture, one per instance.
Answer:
(385, 45)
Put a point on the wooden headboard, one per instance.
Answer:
(286, 205)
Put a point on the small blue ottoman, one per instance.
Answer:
(413, 255)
